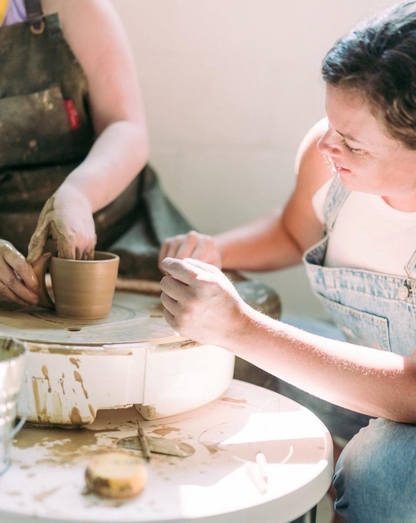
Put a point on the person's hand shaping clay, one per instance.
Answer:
(67, 219)
(192, 245)
(17, 277)
(200, 301)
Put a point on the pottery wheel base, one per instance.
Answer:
(133, 318)
(75, 368)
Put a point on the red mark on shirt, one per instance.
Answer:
(71, 111)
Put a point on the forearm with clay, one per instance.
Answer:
(118, 155)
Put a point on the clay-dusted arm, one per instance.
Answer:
(96, 36)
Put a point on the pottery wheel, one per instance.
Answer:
(133, 318)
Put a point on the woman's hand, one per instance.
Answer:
(17, 277)
(67, 219)
(192, 245)
(200, 302)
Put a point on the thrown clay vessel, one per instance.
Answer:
(82, 289)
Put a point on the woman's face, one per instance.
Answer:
(366, 159)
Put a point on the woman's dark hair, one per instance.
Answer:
(377, 59)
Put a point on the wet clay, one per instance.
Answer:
(66, 446)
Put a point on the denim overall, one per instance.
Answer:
(46, 131)
(376, 474)
(371, 309)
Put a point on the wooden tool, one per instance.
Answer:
(143, 442)
(170, 447)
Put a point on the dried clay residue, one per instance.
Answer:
(164, 431)
(45, 494)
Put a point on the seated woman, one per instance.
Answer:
(357, 180)
(73, 134)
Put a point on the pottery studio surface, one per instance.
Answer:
(130, 358)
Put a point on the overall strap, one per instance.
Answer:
(34, 13)
(334, 200)
(410, 267)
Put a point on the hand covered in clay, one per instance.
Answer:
(200, 301)
(67, 219)
(17, 277)
(192, 245)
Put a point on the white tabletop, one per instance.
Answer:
(46, 479)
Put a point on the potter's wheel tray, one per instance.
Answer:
(133, 318)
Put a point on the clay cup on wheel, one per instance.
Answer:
(83, 289)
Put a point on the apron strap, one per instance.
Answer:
(334, 200)
(34, 12)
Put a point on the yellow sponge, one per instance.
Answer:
(116, 475)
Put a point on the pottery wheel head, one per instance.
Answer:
(133, 318)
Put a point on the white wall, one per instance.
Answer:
(230, 88)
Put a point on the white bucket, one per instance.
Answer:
(12, 368)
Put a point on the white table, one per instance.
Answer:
(46, 479)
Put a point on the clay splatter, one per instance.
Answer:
(62, 382)
(75, 416)
(165, 431)
(46, 374)
(41, 409)
(91, 409)
(78, 378)
(75, 361)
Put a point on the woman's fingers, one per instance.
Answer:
(170, 304)
(181, 270)
(192, 245)
(198, 264)
(17, 263)
(197, 296)
(170, 319)
(181, 246)
(66, 218)
(173, 247)
(187, 246)
(174, 288)
(12, 285)
(10, 295)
